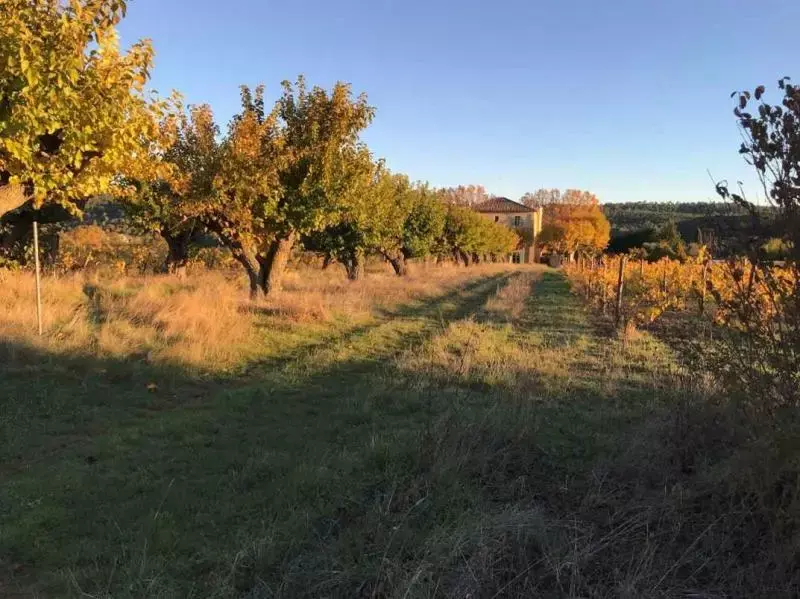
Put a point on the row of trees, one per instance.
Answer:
(299, 174)
(76, 122)
(574, 222)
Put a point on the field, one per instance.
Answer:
(471, 433)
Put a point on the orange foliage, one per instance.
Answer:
(576, 224)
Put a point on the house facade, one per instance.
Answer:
(527, 221)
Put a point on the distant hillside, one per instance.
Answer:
(723, 222)
(635, 216)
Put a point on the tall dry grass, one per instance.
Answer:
(205, 322)
(196, 323)
(314, 294)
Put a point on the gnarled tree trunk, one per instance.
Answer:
(273, 265)
(242, 253)
(398, 262)
(354, 265)
(250, 265)
(177, 251)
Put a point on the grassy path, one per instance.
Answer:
(386, 460)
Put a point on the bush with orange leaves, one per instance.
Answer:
(758, 315)
(649, 289)
(92, 247)
(752, 307)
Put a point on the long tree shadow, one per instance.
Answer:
(101, 453)
(451, 305)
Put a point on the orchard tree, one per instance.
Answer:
(73, 110)
(168, 205)
(405, 221)
(460, 233)
(576, 224)
(468, 236)
(390, 217)
(363, 224)
(381, 215)
(424, 223)
(342, 243)
(286, 173)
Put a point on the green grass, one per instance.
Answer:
(439, 449)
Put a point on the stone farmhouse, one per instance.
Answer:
(527, 221)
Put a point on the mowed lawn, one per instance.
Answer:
(433, 450)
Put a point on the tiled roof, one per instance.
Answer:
(501, 205)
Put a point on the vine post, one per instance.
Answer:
(704, 287)
(38, 276)
(604, 292)
(620, 289)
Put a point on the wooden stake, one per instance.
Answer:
(38, 276)
(603, 281)
(704, 284)
(620, 287)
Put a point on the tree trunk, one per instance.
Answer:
(244, 255)
(354, 265)
(249, 263)
(273, 265)
(326, 261)
(466, 258)
(177, 252)
(398, 262)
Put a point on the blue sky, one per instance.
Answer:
(626, 98)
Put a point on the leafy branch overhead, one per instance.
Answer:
(771, 144)
(74, 113)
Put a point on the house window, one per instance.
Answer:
(496, 218)
(517, 221)
(515, 257)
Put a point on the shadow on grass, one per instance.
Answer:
(325, 471)
(118, 473)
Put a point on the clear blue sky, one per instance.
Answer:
(626, 98)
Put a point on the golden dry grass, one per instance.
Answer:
(322, 294)
(206, 321)
(195, 323)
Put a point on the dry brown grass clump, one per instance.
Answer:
(194, 323)
(510, 300)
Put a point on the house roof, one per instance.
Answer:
(501, 205)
